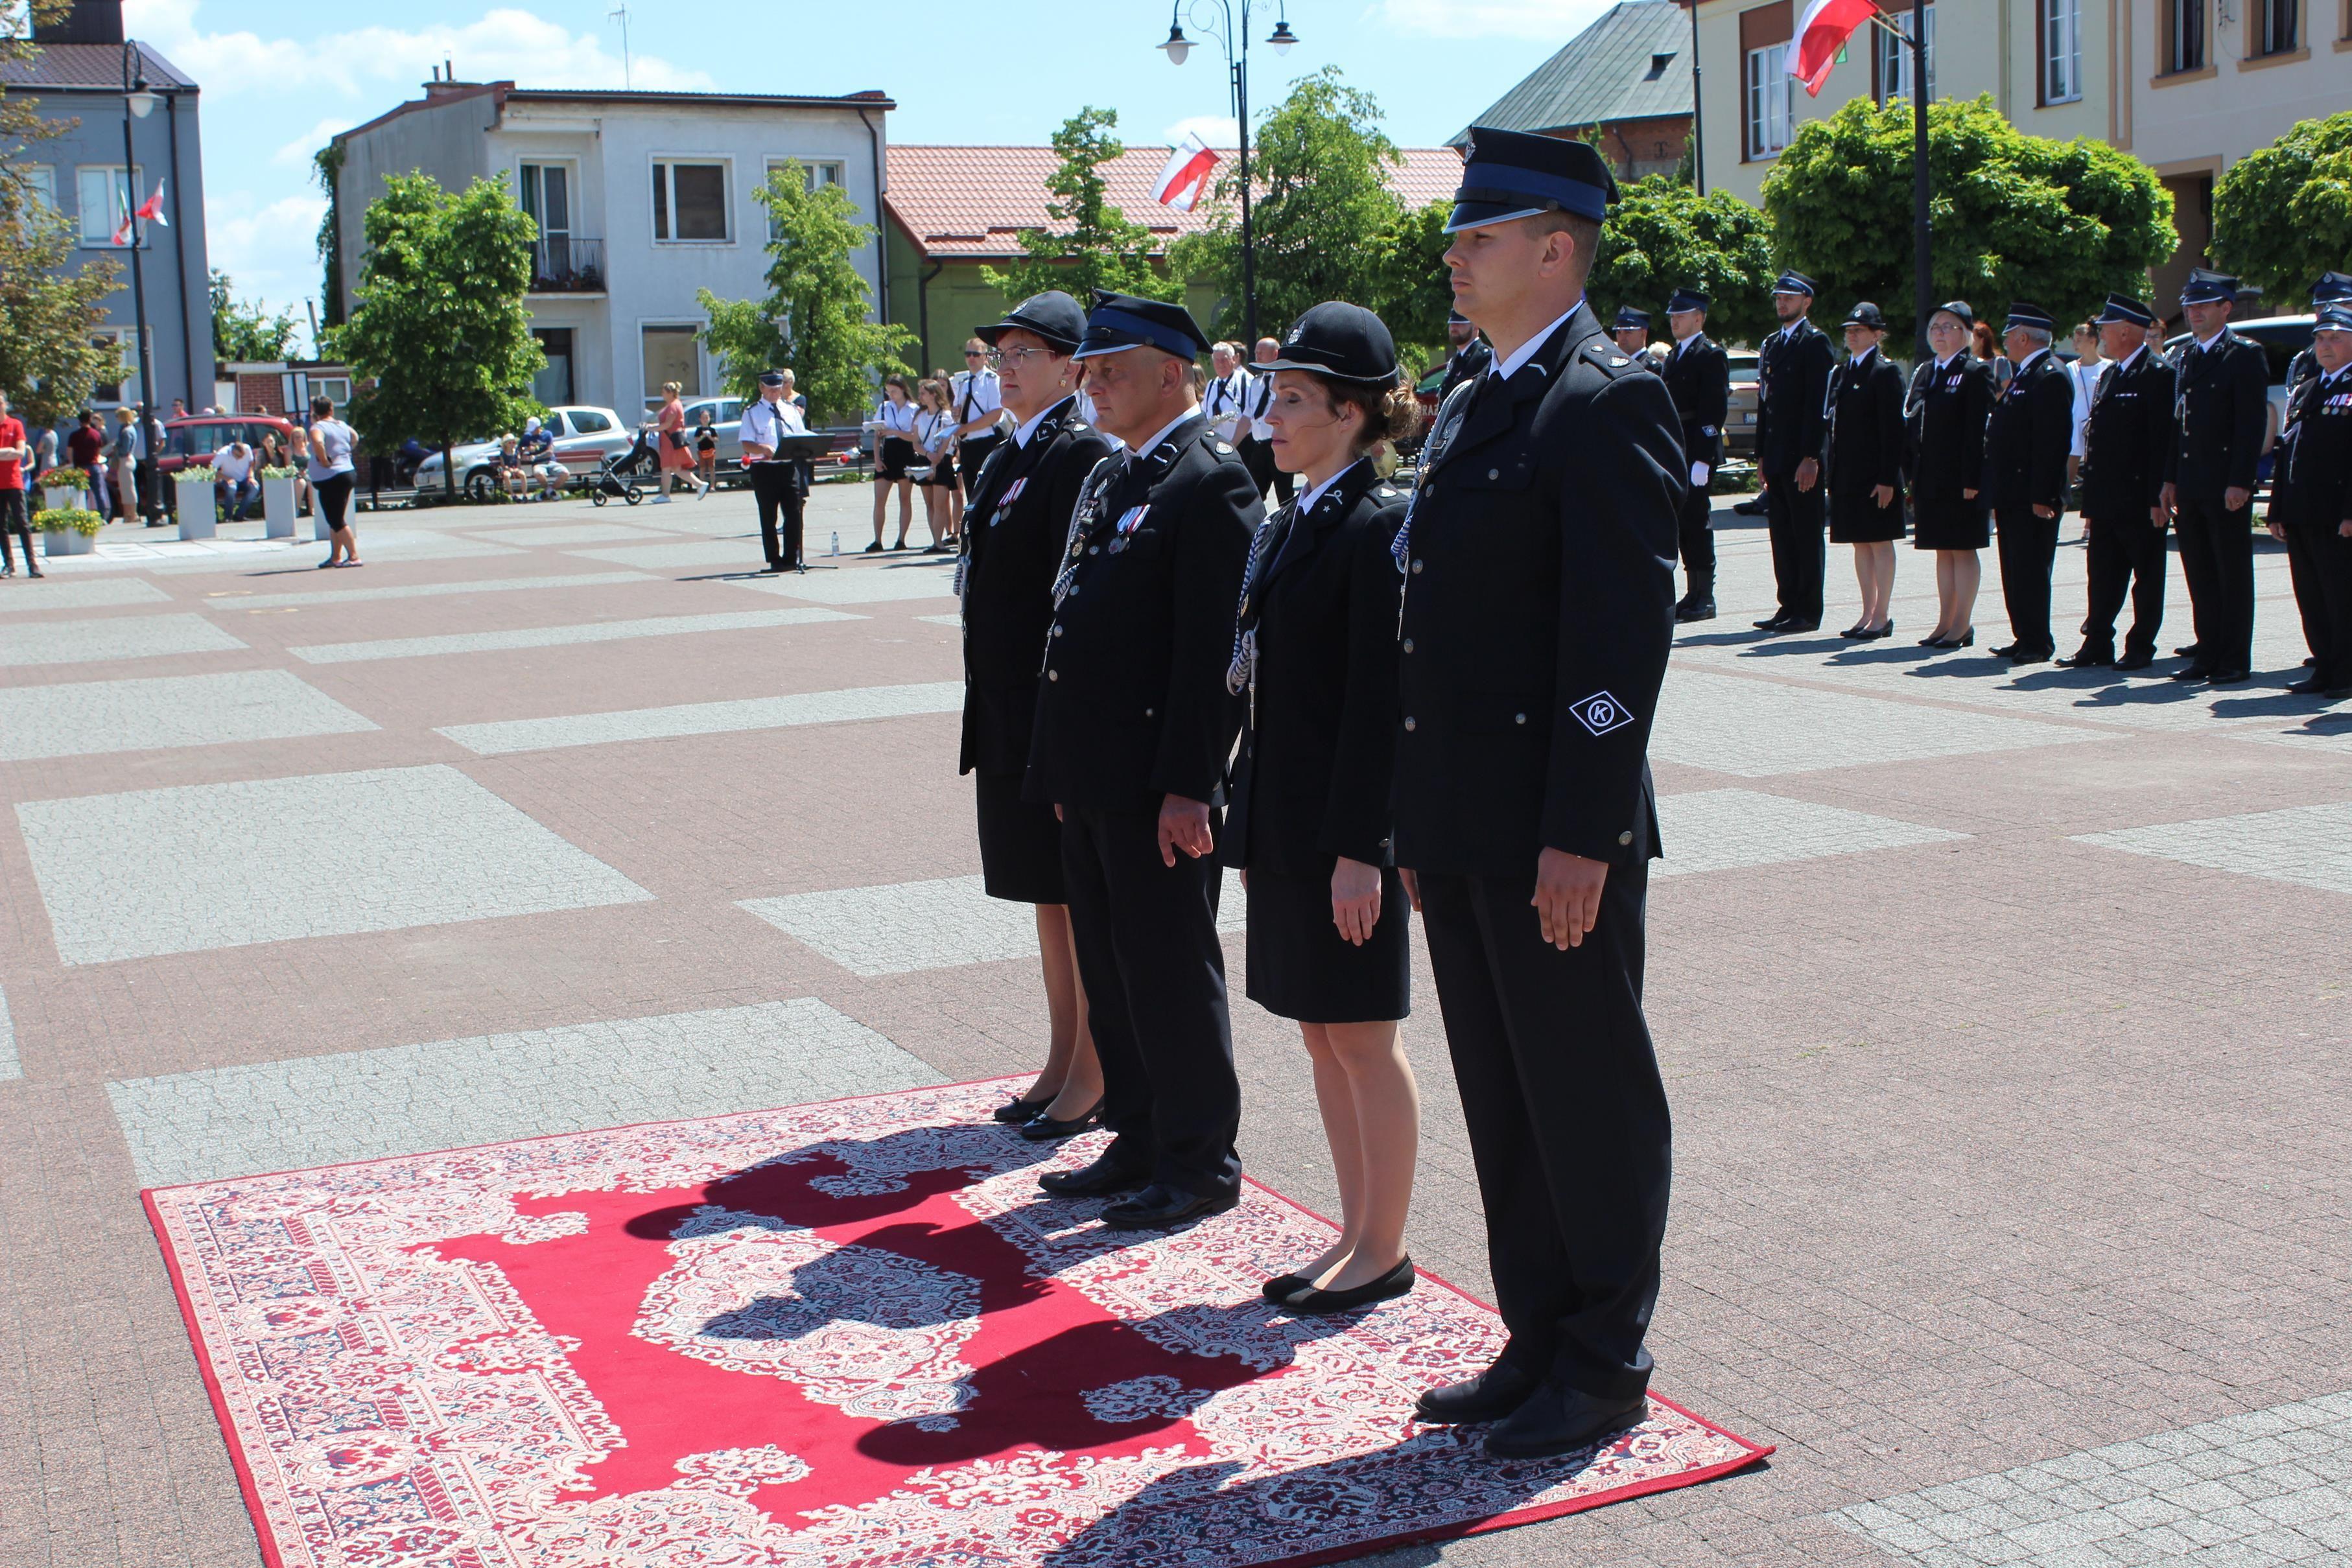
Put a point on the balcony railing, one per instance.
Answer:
(561, 265)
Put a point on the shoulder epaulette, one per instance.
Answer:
(1612, 359)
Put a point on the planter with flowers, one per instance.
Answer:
(61, 489)
(198, 515)
(67, 530)
(278, 501)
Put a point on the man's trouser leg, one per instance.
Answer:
(768, 482)
(1697, 541)
(2029, 550)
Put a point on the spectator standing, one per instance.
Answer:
(15, 456)
(979, 411)
(935, 428)
(234, 487)
(332, 477)
(1253, 438)
(123, 455)
(894, 452)
(706, 450)
(2083, 374)
(676, 453)
(298, 453)
(86, 450)
(1224, 392)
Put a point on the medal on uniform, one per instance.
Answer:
(1129, 521)
(1011, 494)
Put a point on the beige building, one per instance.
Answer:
(2187, 86)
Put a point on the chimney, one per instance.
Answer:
(90, 22)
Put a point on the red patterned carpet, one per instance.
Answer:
(841, 1334)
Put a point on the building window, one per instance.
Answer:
(552, 385)
(1894, 58)
(103, 193)
(670, 356)
(2277, 27)
(689, 201)
(2184, 35)
(812, 177)
(547, 197)
(125, 387)
(2062, 51)
(1771, 104)
(42, 181)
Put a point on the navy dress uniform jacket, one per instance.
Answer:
(2316, 464)
(1539, 611)
(1313, 778)
(1698, 376)
(1468, 365)
(2221, 408)
(2029, 438)
(1793, 380)
(2126, 441)
(1946, 413)
(1012, 551)
(1133, 705)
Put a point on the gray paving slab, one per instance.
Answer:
(415, 1099)
(10, 1065)
(228, 600)
(872, 585)
(101, 593)
(744, 553)
(501, 736)
(1756, 729)
(2308, 845)
(1728, 830)
(903, 927)
(318, 855)
(560, 636)
(89, 718)
(2216, 1492)
(573, 534)
(116, 637)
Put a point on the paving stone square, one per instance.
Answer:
(1726, 830)
(709, 718)
(241, 599)
(9, 1066)
(90, 718)
(559, 636)
(2310, 845)
(930, 582)
(1757, 730)
(275, 858)
(115, 637)
(99, 594)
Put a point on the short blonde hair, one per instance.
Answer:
(671, 389)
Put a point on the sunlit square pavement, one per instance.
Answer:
(2004, 1012)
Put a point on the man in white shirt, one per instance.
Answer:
(1251, 434)
(1228, 388)
(978, 399)
(234, 488)
(777, 483)
(2085, 373)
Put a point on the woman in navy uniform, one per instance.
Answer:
(1014, 526)
(1866, 466)
(1950, 399)
(1316, 653)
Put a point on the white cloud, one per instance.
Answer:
(1216, 130)
(298, 153)
(1550, 22)
(268, 249)
(499, 45)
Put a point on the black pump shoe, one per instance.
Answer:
(1281, 1285)
(1041, 1128)
(1013, 1113)
(1393, 1283)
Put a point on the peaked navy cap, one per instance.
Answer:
(1516, 174)
(1865, 314)
(771, 378)
(1630, 319)
(1335, 338)
(1053, 315)
(1959, 308)
(1686, 299)
(1120, 321)
(2124, 307)
(1795, 283)
(2204, 286)
(2334, 318)
(2331, 286)
(2022, 314)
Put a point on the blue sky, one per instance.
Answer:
(278, 80)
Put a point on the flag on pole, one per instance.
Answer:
(1187, 174)
(1821, 32)
(151, 211)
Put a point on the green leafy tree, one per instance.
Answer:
(1662, 235)
(2282, 215)
(242, 331)
(325, 168)
(1321, 212)
(1092, 244)
(49, 304)
(813, 318)
(438, 336)
(2015, 216)
(1415, 295)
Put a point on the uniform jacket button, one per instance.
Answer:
(1408, 644)
(1058, 631)
(1493, 472)
(1053, 674)
(1626, 837)
(1518, 719)
(1148, 713)
(1408, 723)
(1094, 550)
(1416, 569)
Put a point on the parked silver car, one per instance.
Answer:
(584, 436)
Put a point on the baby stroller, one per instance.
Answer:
(617, 476)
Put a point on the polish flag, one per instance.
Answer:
(1187, 174)
(1821, 32)
(151, 210)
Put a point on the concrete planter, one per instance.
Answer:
(199, 518)
(57, 500)
(66, 541)
(277, 517)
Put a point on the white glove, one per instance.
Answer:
(1699, 472)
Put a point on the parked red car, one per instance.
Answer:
(190, 442)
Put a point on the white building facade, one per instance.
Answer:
(642, 198)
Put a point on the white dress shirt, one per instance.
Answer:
(978, 394)
(1153, 445)
(1504, 369)
(1222, 401)
(1314, 493)
(767, 423)
(1028, 427)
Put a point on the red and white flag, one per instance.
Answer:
(1187, 174)
(151, 211)
(1821, 32)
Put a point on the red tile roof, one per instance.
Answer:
(970, 203)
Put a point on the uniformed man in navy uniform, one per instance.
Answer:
(1631, 332)
(2332, 289)
(1134, 729)
(2027, 441)
(1698, 374)
(778, 483)
(1468, 354)
(2311, 505)
(2124, 444)
(1538, 609)
(2221, 409)
(1793, 383)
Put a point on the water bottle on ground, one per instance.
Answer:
(836, 544)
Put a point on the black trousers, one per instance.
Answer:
(1257, 456)
(970, 452)
(2217, 562)
(2028, 550)
(15, 518)
(1568, 1121)
(1698, 541)
(1155, 976)
(2321, 560)
(2130, 554)
(776, 488)
(1796, 520)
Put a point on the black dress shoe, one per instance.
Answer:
(1013, 1113)
(1281, 1285)
(1491, 1395)
(2006, 651)
(1854, 631)
(1312, 1301)
(1104, 1176)
(1561, 1420)
(2031, 656)
(1867, 635)
(1044, 1129)
(1787, 627)
(2312, 662)
(2187, 651)
(2135, 661)
(2229, 678)
(1695, 607)
(1159, 1205)
(1967, 639)
(2194, 672)
(1774, 623)
(2088, 658)
(2310, 685)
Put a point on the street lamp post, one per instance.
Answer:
(137, 103)
(1219, 25)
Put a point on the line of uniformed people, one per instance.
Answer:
(1370, 704)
